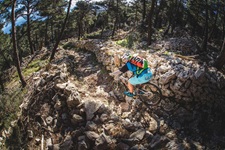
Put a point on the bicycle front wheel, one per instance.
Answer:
(150, 94)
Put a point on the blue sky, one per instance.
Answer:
(6, 29)
(21, 20)
(74, 1)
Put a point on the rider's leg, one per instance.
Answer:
(130, 87)
(138, 81)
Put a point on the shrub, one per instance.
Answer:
(69, 45)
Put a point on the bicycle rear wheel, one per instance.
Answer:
(150, 94)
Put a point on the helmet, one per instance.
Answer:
(126, 55)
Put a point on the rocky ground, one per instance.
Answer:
(71, 106)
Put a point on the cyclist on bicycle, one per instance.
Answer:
(139, 67)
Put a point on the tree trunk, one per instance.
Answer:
(136, 15)
(167, 28)
(79, 30)
(220, 61)
(223, 34)
(175, 16)
(52, 40)
(158, 18)
(114, 27)
(150, 16)
(169, 24)
(28, 28)
(117, 17)
(15, 54)
(102, 30)
(215, 22)
(1, 83)
(223, 30)
(205, 40)
(61, 33)
(144, 11)
(46, 33)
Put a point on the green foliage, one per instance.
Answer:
(15, 139)
(160, 30)
(158, 34)
(37, 63)
(34, 66)
(122, 42)
(5, 48)
(10, 102)
(129, 41)
(9, 106)
(69, 45)
(83, 17)
(166, 53)
(103, 71)
(93, 35)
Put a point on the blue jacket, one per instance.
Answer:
(136, 70)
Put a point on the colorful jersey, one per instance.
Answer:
(136, 70)
(139, 62)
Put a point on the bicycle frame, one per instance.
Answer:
(148, 93)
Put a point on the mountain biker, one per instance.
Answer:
(139, 67)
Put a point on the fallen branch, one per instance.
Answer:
(186, 57)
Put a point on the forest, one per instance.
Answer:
(203, 20)
(47, 23)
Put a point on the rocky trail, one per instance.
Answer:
(71, 106)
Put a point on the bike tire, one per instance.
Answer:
(151, 94)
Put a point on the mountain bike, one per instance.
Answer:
(149, 93)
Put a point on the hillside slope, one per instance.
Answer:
(70, 105)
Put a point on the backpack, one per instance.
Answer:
(139, 62)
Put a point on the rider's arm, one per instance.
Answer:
(120, 71)
(115, 73)
(124, 68)
(131, 67)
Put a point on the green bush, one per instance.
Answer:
(9, 106)
(93, 35)
(34, 66)
(69, 45)
(129, 41)
(122, 42)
